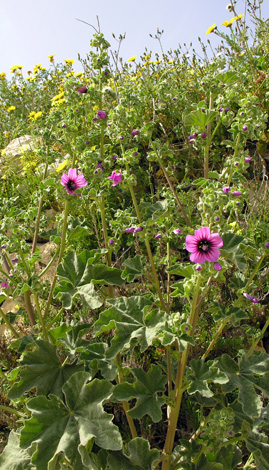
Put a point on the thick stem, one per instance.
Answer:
(62, 247)
(29, 308)
(259, 338)
(104, 226)
(39, 213)
(125, 404)
(179, 390)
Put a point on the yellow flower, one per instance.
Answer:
(50, 57)
(243, 53)
(6, 134)
(132, 59)
(69, 61)
(211, 29)
(238, 17)
(58, 97)
(38, 115)
(11, 108)
(170, 61)
(157, 62)
(62, 166)
(95, 108)
(31, 115)
(228, 23)
(79, 74)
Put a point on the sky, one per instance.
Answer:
(30, 30)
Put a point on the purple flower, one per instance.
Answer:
(3, 247)
(174, 99)
(247, 159)
(204, 245)
(102, 114)
(257, 127)
(129, 230)
(226, 189)
(83, 89)
(217, 218)
(203, 135)
(244, 128)
(135, 154)
(14, 260)
(72, 181)
(159, 235)
(203, 110)
(242, 114)
(192, 136)
(138, 229)
(87, 142)
(95, 119)
(177, 231)
(111, 242)
(267, 245)
(115, 177)
(252, 299)
(226, 110)
(236, 163)
(220, 110)
(236, 193)
(121, 137)
(4, 284)
(100, 166)
(217, 266)
(198, 268)
(64, 126)
(135, 132)
(115, 157)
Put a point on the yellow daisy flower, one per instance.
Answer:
(62, 166)
(2, 75)
(69, 61)
(211, 29)
(10, 108)
(132, 59)
(38, 115)
(31, 115)
(50, 57)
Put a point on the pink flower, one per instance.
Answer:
(72, 181)
(236, 193)
(226, 189)
(83, 89)
(102, 114)
(177, 231)
(217, 266)
(115, 177)
(204, 245)
(252, 299)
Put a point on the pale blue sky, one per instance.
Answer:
(30, 30)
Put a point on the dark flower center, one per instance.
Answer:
(204, 246)
(71, 185)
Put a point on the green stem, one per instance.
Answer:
(255, 270)
(179, 390)
(172, 187)
(206, 152)
(234, 157)
(104, 226)
(258, 338)
(29, 308)
(50, 325)
(125, 404)
(217, 335)
(39, 314)
(12, 411)
(7, 322)
(49, 264)
(62, 247)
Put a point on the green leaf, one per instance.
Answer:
(73, 339)
(182, 269)
(13, 457)
(249, 374)
(201, 373)
(213, 174)
(42, 369)
(154, 211)
(133, 268)
(200, 119)
(94, 355)
(141, 455)
(257, 443)
(220, 312)
(228, 77)
(58, 427)
(131, 323)
(145, 389)
(229, 456)
(231, 241)
(93, 461)
(78, 276)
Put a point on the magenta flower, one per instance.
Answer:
(217, 266)
(252, 299)
(177, 231)
(198, 268)
(244, 128)
(267, 245)
(129, 230)
(159, 235)
(72, 181)
(247, 159)
(115, 177)
(226, 189)
(236, 193)
(102, 114)
(203, 135)
(135, 132)
(5, 284)
(204, 245)
(83, 89)
(138, 229)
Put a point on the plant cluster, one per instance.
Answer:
(147, 348)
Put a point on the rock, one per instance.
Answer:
(10, 156)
